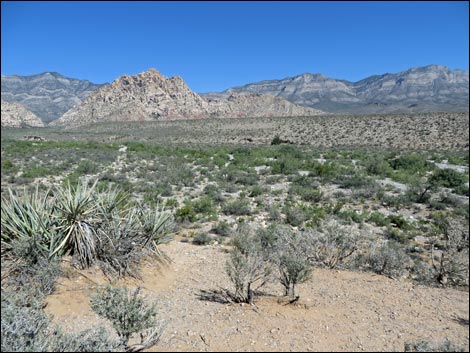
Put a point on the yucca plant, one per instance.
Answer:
(76, 218)
(120, 248)
(26, 219)
(156, 226)
(111, 201)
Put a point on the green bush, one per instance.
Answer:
(186, 213)
(448, 178)
(222, 228)
(276, 140)
(202, 238)
(237, 207)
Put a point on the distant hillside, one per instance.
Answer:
(48, 95)
(152, 96)
(15, 115)
(419, 89)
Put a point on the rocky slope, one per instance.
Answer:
(15, 115)
(420, 89)
(152, 96)
(48, 95)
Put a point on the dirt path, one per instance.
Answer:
(339, 311)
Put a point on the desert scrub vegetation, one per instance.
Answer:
(394, 193)
(90, 226)
(429, 346)
(129, 314)
(94, 227)
(26, 328)
(279, 252)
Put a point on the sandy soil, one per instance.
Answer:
(338, 310)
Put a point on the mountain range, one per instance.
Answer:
(48, 95)
(59, 100)
(420, 89)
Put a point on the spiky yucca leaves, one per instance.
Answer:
(87, 224)
(26, 224)
(111, 202)
(157, 226)
(120, 249)
(77, 213)
(129, 237)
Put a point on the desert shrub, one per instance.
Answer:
(413, 163)
(237, 207)
(387, 259)
(285, 166)
(247, 267)
(212, 191)
(26, 328)
(273, 213)
(38, 279)
(400, 222)
(202, 238)
(128, 313)
(427, 346)
(119, 251)
(461, 189)
(419, 189)
(377, 166)
(451, 263)
(448, 178)
(186, 213)
(350, 215)
(352, 181)
(295, 216)
(171, 203)
(204, 205)
(276, 140)
(422, 272)
(255, 190)
(291, 258)
(379, 219)
(90, 340)
(222, 228)
(306, 193)
(86, 167)
(331, 243)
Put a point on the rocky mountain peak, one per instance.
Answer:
(150, 95)
(15, 115)
(48, 95)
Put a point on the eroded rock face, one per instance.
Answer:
(152, 96)
(15, 115)
(48, 95)
(420, 89)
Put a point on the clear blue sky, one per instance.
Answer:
(216, 45)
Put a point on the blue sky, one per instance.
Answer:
(216, 45)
